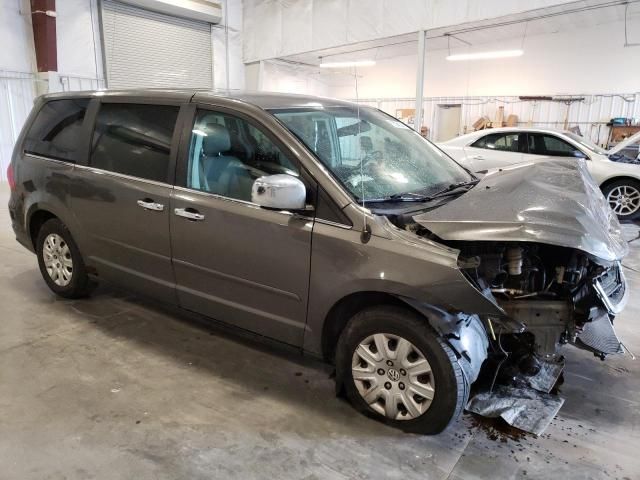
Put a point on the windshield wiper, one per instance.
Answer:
(400, 197)
(455, 186)
(418, 197)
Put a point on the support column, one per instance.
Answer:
(417, 122)
(43, 19)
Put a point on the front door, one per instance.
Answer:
(548, 145)
(121, 197)
(234, 261)
(496, 150)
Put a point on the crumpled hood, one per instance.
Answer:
(554, 202)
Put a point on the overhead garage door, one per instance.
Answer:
(149, 49)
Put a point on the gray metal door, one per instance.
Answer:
(242, 264)
(149, 49)
(234, 261)
(127, 242)
(121, 196)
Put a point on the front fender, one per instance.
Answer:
(465, 333)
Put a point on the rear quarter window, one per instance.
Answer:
(56, 131)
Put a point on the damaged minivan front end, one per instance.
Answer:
(540, 242)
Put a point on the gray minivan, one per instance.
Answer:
(325, 225)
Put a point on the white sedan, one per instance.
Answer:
(618, 176)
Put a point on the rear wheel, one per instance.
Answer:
(623, 197)
(396, 369)
(60, 262)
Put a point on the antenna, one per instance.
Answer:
(366, 231)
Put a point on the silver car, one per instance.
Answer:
(332, 228)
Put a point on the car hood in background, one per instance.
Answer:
(554, 202)
(624, 143)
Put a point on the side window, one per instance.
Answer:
(55, 131)
(227, 154)
(504, 142)
(134, 139)
(550, 145)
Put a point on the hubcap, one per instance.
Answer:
(393, 376)
(57, 259)
(624, 200)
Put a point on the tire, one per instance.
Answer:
(60, 262)
(450, 390)
(623, 196)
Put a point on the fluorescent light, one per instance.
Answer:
(485, 55)
(358, 63)
(199, 132)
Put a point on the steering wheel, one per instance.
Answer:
(374, 156)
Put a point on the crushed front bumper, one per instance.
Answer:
(611, 288)
(599, 335)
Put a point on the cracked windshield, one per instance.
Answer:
(375, 156)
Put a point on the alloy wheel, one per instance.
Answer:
(57, 259)
(624, 200)
(393, 376)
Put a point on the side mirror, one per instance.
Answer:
(279, 192)
(579, 154)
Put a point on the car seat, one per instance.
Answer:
(213, 160)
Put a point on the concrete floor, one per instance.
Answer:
(114, 387)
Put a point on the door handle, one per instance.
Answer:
(149, 204)
(478, 157)
(189, 213)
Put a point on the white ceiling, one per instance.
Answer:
(578, 15)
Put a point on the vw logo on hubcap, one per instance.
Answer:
(393, 375)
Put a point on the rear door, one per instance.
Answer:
(549, 145)
(234, 261)
(496, 150)
(122, 195)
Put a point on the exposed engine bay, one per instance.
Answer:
(553, 292)
(551, 296)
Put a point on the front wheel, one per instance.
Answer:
(623, 197)
(60, 262)
(396, 369)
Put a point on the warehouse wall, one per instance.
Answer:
(235, 37)
(16, 38)
(587, 61)
(286, 27)
(78, 37)
(590, 115)
(17, 83)
(279, 77)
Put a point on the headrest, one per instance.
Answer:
(217, 139)
(366, 143)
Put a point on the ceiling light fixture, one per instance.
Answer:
(357, 63)
(485, 55)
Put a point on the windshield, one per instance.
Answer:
(374, 155)
(588, 144)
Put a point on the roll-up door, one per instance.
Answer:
(149, 49)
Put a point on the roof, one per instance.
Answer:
(522, 129)
(265, 100)
(461, 139)
(269, 100)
